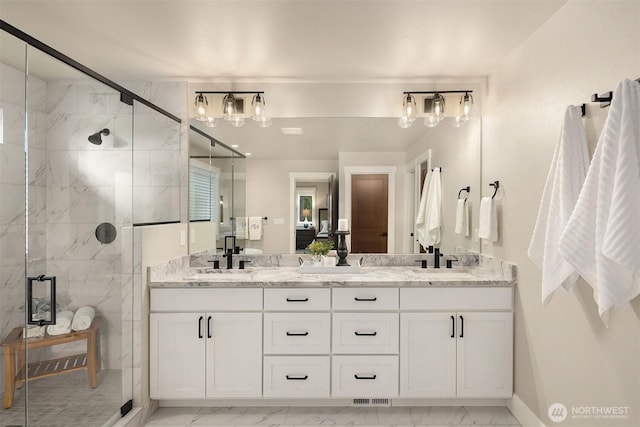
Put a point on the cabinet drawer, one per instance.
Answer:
(455, 299)
(296, 333)
(190, 300)
(365, 333)
(365, 299)
(364, 376)
(296, 299)
(296, 376)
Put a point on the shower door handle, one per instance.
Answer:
(52, 305)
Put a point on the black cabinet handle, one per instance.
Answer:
(453, 326)
(200, 326)
(209, 327)
(366, 334)
(365, 377)
(297, 299)
(461, 327)
(297, 334)
(295, 378)
(366, 299)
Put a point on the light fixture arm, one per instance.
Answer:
(433, 92)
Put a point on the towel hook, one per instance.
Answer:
(496, 185)
(467, 189)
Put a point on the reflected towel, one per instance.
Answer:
(63, 323)
(602, 238)
(488, 220)
(241, 228)
(565, 179)
(462, 217)
(255, 228)
(429, 219)
(83, 318)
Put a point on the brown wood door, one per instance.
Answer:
(369, 213)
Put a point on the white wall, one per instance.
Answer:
(563, 353)
(268, 195)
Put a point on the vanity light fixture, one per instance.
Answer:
(201, 107)
(232, 108)
(434, 107)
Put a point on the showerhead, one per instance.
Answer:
(96, 138)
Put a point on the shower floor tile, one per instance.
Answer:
(67, 400)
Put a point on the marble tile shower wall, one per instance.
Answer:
(12, 182)
(87, 185)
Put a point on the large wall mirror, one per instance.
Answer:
(284, 169)
(216, 194)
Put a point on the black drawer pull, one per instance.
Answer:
(461, 327)
(365, 377)
(453, 327)
(366, 334)
(295, 378)
(297, 334)
(200, 326)
(297, 299)
(209, 327)
(366, 299)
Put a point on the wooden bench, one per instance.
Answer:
(14, 349)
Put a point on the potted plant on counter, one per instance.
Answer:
(319, 250)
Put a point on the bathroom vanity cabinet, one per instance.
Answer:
(456, 342)
(205, 343)
(331, 342)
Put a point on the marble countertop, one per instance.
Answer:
(368, 276)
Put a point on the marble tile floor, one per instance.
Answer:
(67, 400)
(334, 416)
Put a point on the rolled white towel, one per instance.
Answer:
(63, 323)
(33, 331)
(83, 318)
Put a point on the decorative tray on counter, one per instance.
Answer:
(307, 267)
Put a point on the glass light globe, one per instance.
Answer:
(258, 110)
(229, 106)
(409, 107)
(201, 105)
(431, 121)
(466, 101)
(437, 106)
(405, 122)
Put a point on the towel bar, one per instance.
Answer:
(496, 185)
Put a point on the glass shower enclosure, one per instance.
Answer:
(68, 197)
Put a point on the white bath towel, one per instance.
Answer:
(255, 228)
(63, 323)
(565, 179)
(83, 318)
(242, 228)
(462, 217)
(488, 220)
(602, 238)
(429, 219)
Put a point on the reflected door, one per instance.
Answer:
(369, 213)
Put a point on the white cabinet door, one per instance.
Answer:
(485, 354)
(427, 355)
(177, 355)
(234, 354)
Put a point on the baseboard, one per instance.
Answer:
(132, 419)
(525, 416)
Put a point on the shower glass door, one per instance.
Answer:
(66, 242)
(79, 232)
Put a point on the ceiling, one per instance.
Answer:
(318, 40)
(335, 46)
